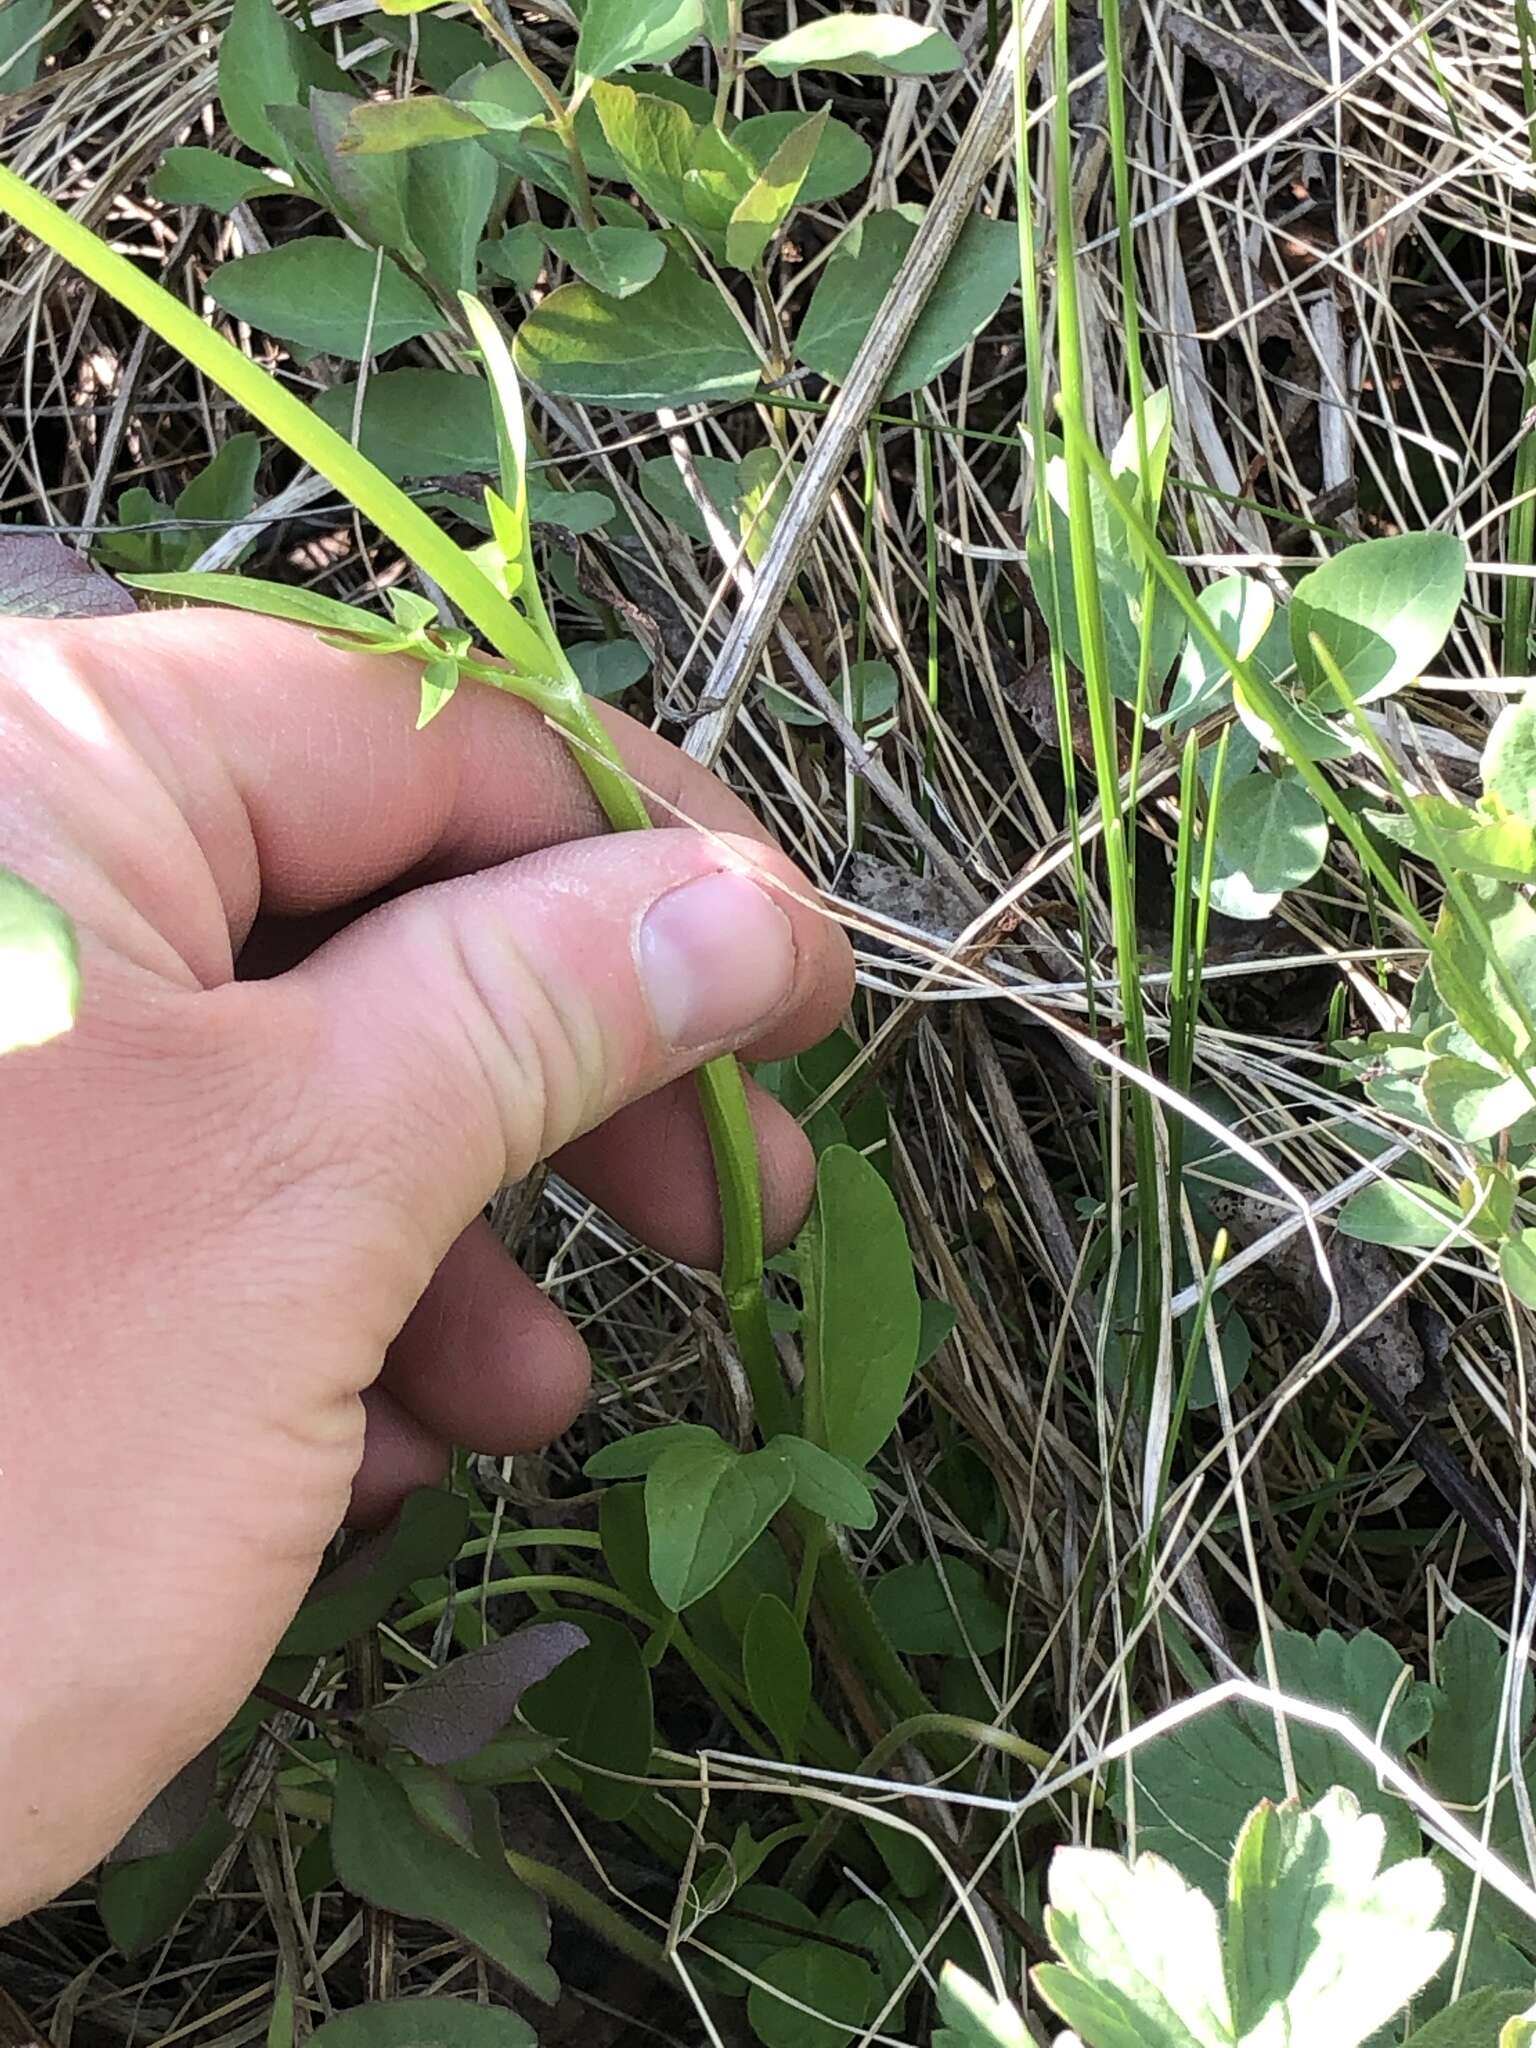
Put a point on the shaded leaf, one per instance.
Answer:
(418, 423)
(516, 257)
(1271, 835)
(22, 21)
(39, 967)
(385, 1855)
(979, 275)
(325, 294)
(616, 34)
(777, 1667)
(426, 2023)
(616, 261)
(451, 1714)
(862, 45)
(423, 1540)
(676, 342)
(862, 1315)
(664, 491)
(825, 1484)
(367, 192)
(607, 668)
(1466, 1756)
(141, 1902)
(448, 202)
(1392, 1212)
(832, 1983)
(598, 1703)
(205, 177)
(177, 1812)
(1474, 2021)
(929, 1609)
(265, 62)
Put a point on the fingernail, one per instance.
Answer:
(717, 957)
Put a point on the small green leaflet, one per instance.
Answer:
(631, 1457)
(607, 668)
(418, 423)
(1517, 1266)
(39, 967)
(1409, 1217)
(326, 294)
(862, 1317)
(265, 62)
(826, 1980)
(826, 1485)
(140, 1902)
(973, 2018)
(705, 1506)
(862, 46)
(939, 1610)
(841, 162)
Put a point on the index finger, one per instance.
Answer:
(301, 773)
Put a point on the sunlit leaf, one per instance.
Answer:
(705, 1505)
(616, 261)
(1382, 608)
(862, 45)
(772, 196)
(616, 34)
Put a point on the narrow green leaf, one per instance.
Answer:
(1383, 609)
(618, 34)
(272, 600)
(676, 342)
(862, 45)
(424, 1539)
(863, 1320)
(385, 1855)
(39, 967)
(204, 177)
(326, 294)
(705, 1506)
(777, 1668)
(426, 2023)
(772, 195)
(382, 127)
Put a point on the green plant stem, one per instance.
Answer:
(561, 119)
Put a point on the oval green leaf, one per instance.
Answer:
(1383, 609)
(418, 423)
(616, 34)
(319, 293)
(861, 45)
(705, 1506)
(426, 2023)
(677, 342)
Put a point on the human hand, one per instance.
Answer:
(240, 1217)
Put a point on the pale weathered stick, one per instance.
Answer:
(987, 135)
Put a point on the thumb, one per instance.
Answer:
(469, 1029)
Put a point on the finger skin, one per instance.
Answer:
(290, 772)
